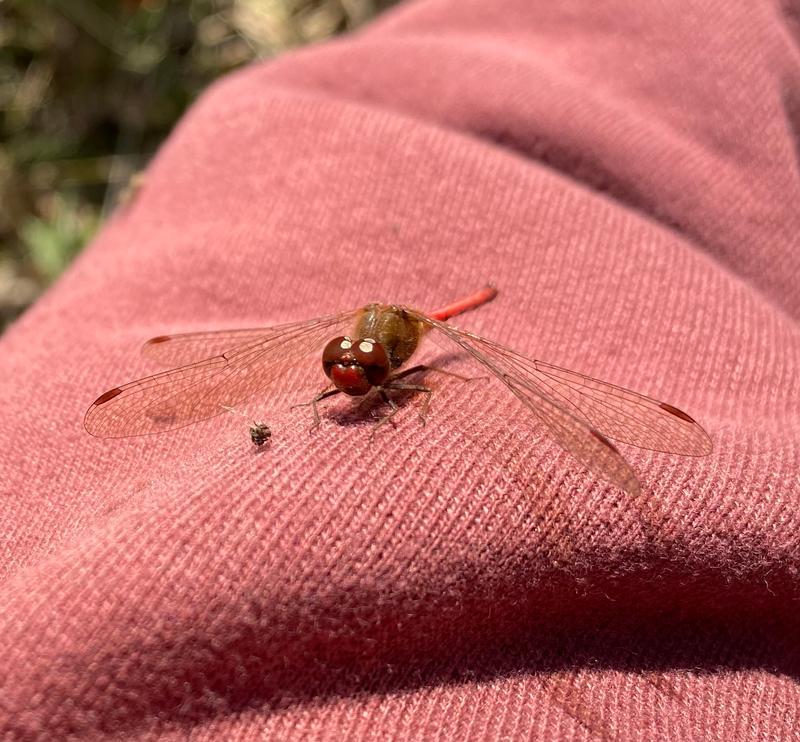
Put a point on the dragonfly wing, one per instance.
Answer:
(188, 347)
(624, 415)
(202, 389)
(619, 413)
(580, 411)
(585, 443)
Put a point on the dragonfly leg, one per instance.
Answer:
(423, 413)
(409, 388)
(324, 394)
(385, 419)
(436, 369)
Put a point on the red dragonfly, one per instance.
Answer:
(216, 370)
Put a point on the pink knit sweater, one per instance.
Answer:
(626, 173)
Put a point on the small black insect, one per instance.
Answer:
(260, 433)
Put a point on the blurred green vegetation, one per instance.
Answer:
(88, 90)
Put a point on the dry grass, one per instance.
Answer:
(89, 88)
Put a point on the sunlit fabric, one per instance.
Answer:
(626, 173)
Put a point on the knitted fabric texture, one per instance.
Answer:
(626, 173)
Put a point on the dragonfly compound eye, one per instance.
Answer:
(338, 350)
(372, 357)
(344, 369)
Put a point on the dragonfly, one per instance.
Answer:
(363, 351)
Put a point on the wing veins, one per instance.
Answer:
(137, 404)
(579, 438)
(653, 429)
(245, 357)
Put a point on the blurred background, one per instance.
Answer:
(88, 90)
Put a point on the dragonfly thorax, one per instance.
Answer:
(394, 328)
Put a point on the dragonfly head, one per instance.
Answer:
(355, 366)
